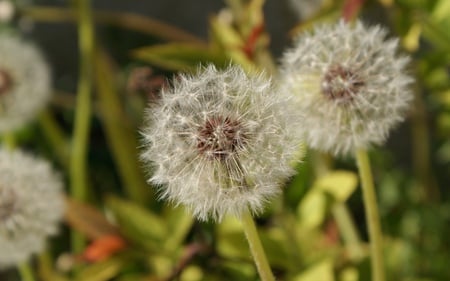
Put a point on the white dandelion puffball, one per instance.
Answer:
(24, 82)
(220, 142)
(350, 83)
(31, 206)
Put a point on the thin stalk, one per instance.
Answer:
(341, 212)
(55, 136)
(126, 20)
(256, 247)
(348, 230)
(26, 272)
(421, 150)
(372, 216)
(119, 132)
(78, 163)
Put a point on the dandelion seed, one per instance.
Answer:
(220, 142)
(24, 82)
(31, 206)
(350, 83)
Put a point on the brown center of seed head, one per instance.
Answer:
(5, 82)
(8, 201)
(220, 137)
(341, 83)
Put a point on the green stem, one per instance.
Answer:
(26, 272)
(125, 20)
(372, 216)
(55, 136)
(348, 230)
(421, 150)
(341, 213)
(78, 164)
(119, 132)
(256, 247)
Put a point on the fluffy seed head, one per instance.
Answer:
(31, 206)
(350, 83)
(24, 82)
(220, 142)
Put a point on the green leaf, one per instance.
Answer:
(349, 274)
(322, 271)
(138, 224)
(102, 271)
(441, 11)
(231, 43)
(238, 270)
(179, 222)
(339, 184)
(179, 56)
(436, 32)
(161, 266)
(192, 273)
(312, 209)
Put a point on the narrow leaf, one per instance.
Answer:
(179, 56)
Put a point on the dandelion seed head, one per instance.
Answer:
(350, 83)
(31, 206)
(219, 142)
(24, 82)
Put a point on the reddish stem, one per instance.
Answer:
(250, 44)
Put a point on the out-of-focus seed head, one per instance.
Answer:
(350, 83)
(31, 206)
(24, 82)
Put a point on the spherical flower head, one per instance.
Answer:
(220, 142)
(350, 83)
(24, 82)
(31, 206)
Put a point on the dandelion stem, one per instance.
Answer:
(55, 136)
(341, 212)
(372, 216)
(256, 247)
(78, 164)
(348, 230)
(26, 272)
(421, 150)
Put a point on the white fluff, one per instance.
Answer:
(30, 89)
(221, 178)
(376, 86)
(31, 205)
